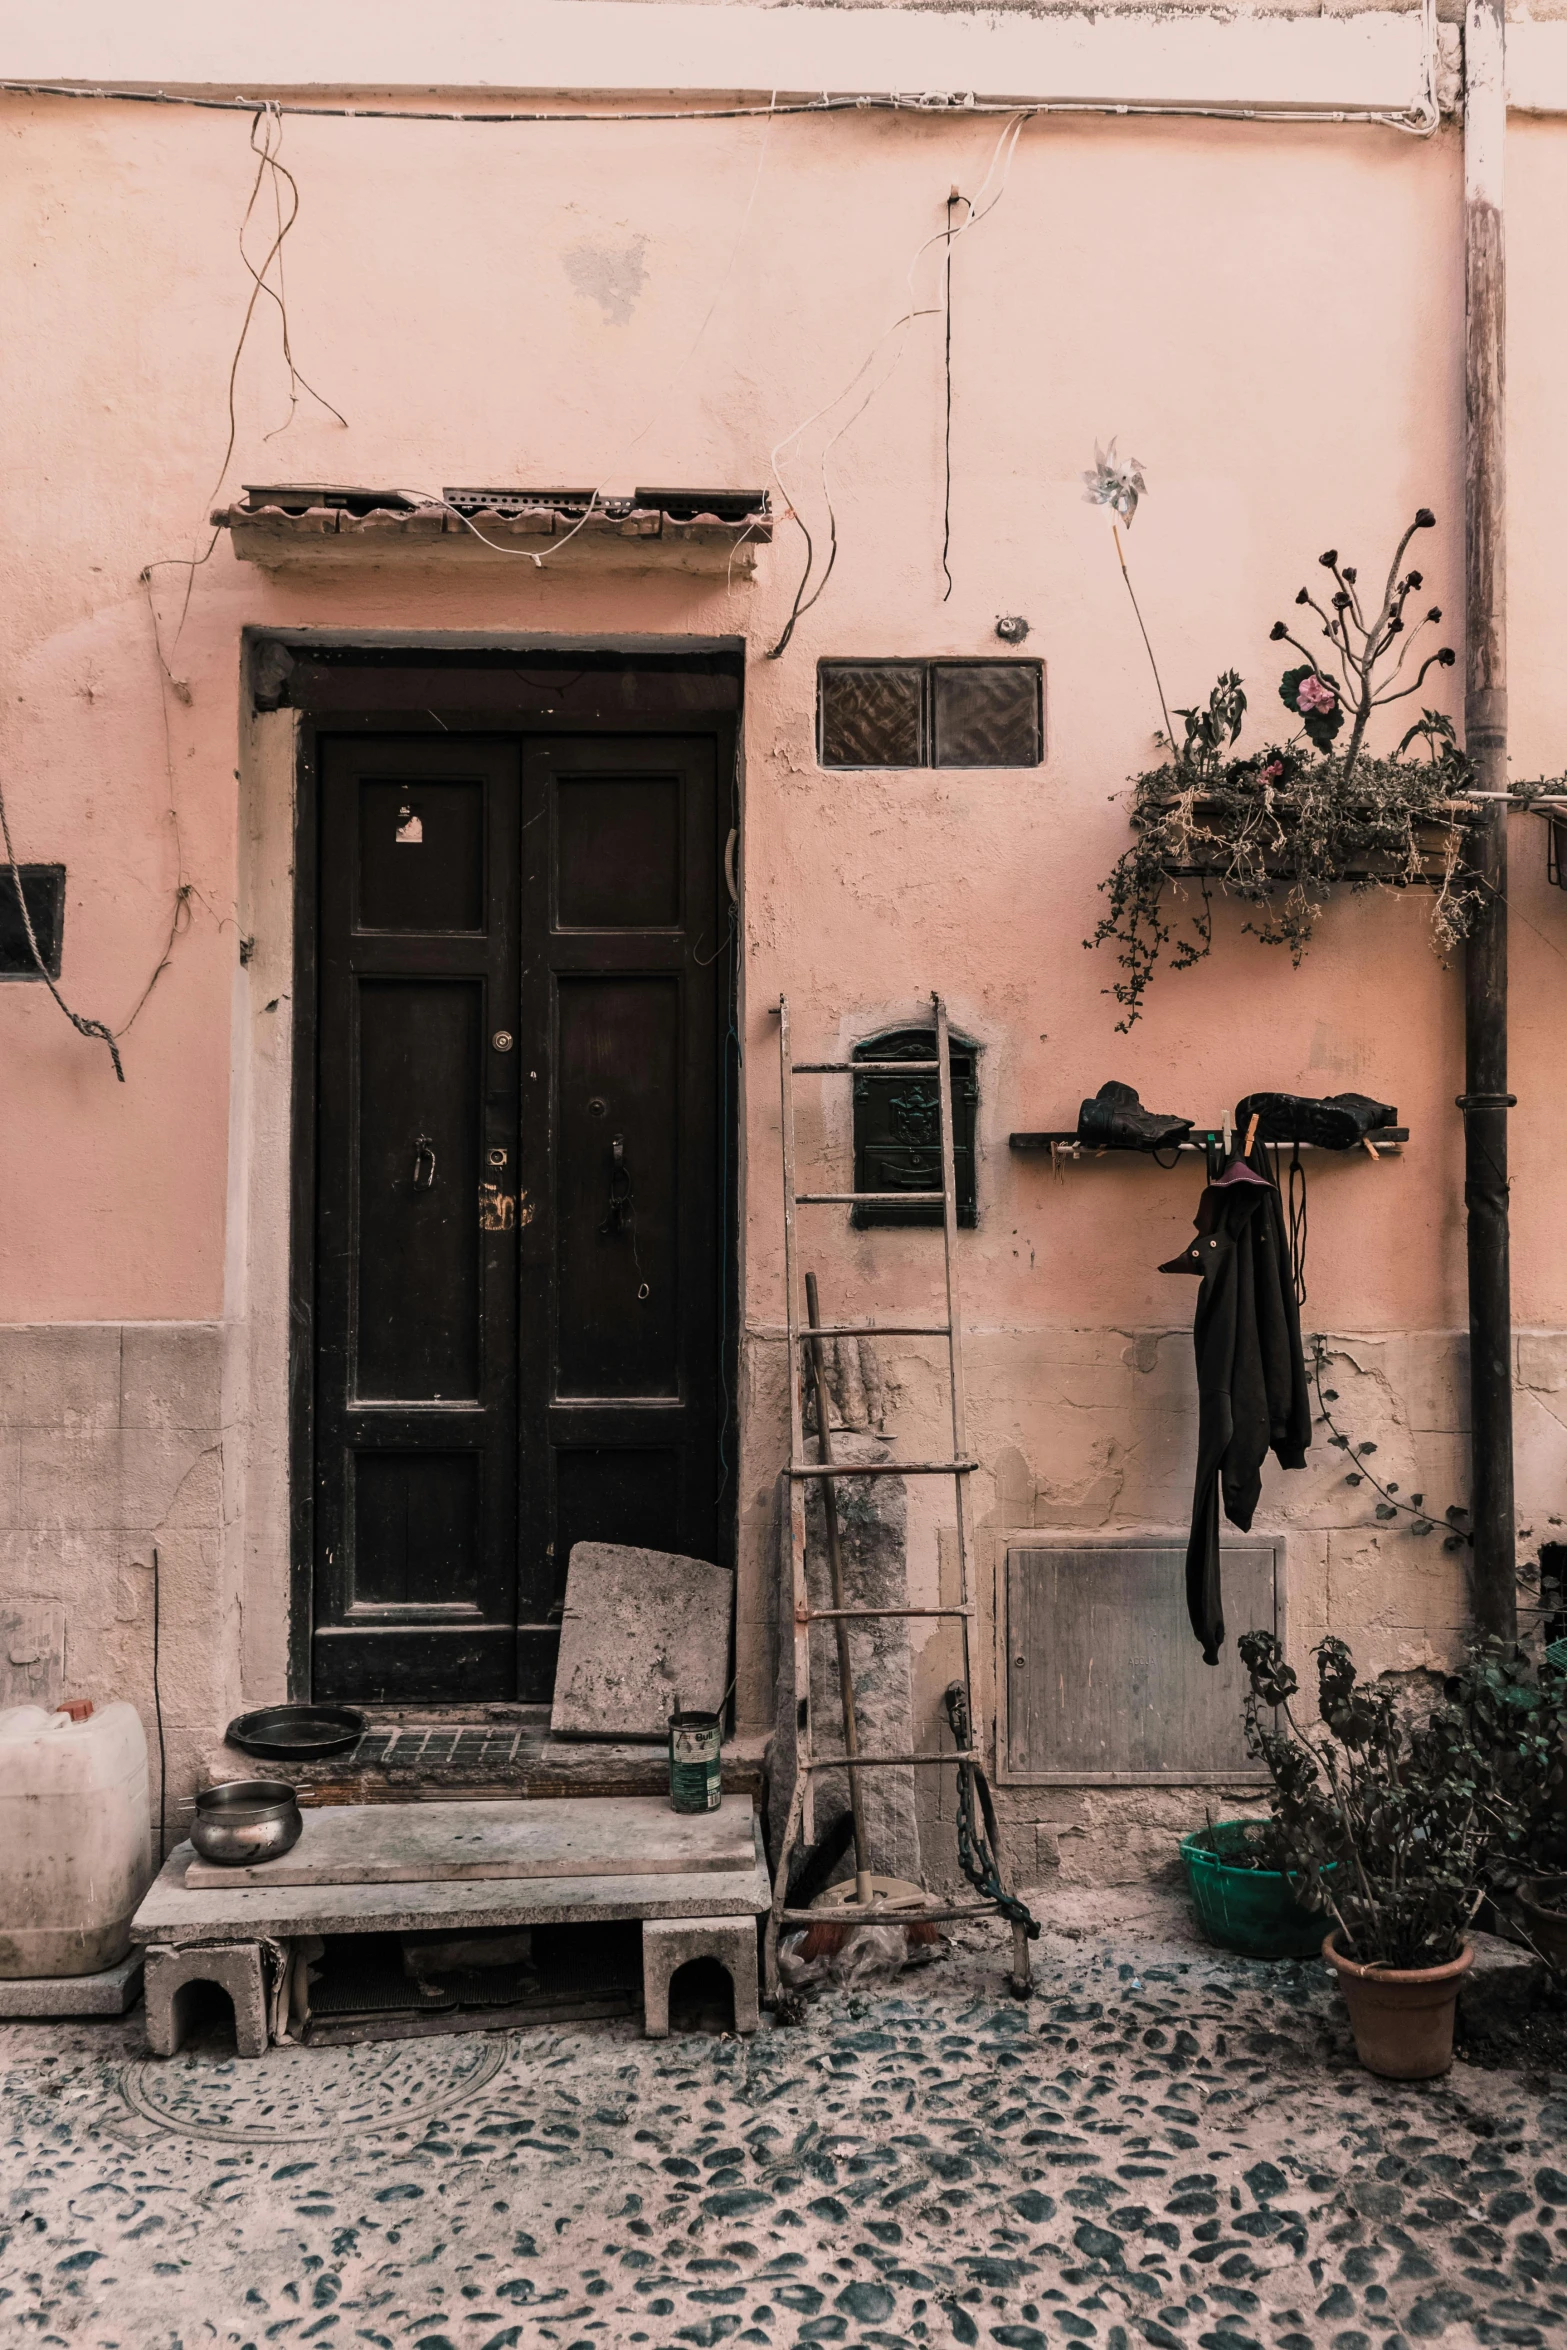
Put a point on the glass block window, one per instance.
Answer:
(897, 1128)
(43, 888)
(872, 714)
(931, 713)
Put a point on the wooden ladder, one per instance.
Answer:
(969, 1756)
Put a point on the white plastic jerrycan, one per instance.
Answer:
(75, 1839)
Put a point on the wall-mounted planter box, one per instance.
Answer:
(1432, 838)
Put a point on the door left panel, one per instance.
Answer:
(416, 1385)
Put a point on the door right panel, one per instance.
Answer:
(625, 955)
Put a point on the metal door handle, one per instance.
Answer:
(424, 1158)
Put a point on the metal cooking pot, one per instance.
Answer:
(246, 1820)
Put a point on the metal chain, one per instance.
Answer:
(976, 1844)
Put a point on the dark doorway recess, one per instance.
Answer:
(513, 1276)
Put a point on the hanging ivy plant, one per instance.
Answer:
(1281, 827)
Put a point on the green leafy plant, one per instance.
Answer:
(1512, 1698)
(1282, 826)
(1380, 1813)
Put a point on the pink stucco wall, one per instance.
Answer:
(1269, 317)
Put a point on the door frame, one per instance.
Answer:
(337, 681)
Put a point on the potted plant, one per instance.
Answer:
(1242, 1892)
(1513, 1699)
(1379, 1815)
(1281, 826)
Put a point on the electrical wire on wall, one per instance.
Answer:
(946, 445)
(78, 1020)
(267, 123)
(266, 132)
(98, 1030)
(978, 209)
(267, 127)
(1420, 119)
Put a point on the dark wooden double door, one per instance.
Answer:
(520, 1265)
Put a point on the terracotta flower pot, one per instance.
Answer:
(1402, 2018)
(1543, 1901)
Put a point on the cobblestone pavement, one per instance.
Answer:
(1164, 2147)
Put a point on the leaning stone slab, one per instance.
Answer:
(111, 1992)
(639, 1627)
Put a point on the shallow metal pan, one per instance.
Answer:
(297, 1733)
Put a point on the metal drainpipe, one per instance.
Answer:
(1485, 1099)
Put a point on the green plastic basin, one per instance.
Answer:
(1249, 1910)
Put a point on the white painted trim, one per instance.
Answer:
(1486, 43)
(256, 1273)
(1372, 62)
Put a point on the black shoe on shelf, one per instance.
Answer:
(1338, 1123)
(1114, 1119)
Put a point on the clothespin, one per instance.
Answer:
(1251, 1133)
(1367, 1144)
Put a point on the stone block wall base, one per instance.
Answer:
(235, 1968)
(668, 1944)
(109, 1992)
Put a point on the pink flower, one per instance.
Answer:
(1314, 695)
(1273, 770)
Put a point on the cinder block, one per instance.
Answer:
(668, 1944)
(235, 1967)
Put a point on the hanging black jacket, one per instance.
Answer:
(1251, 1377)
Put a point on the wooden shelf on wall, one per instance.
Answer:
(1062, 1143)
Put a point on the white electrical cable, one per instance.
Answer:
(1420, 119)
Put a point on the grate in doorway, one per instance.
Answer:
(419, 1748)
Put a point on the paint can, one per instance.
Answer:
(694, 1780)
